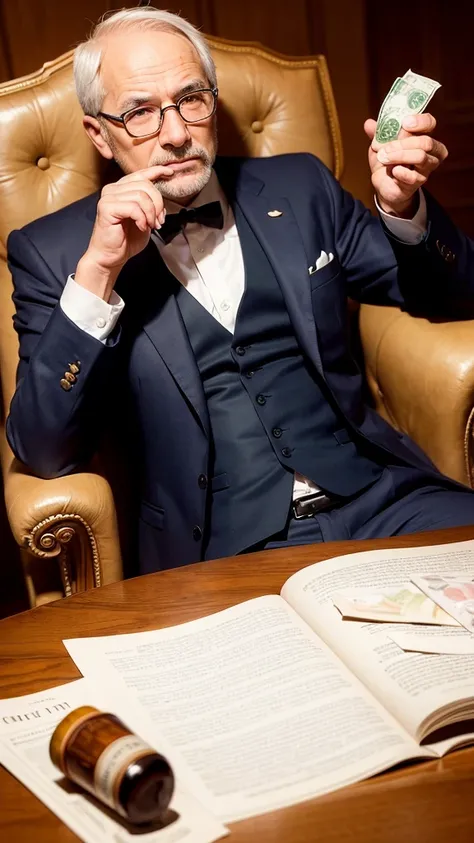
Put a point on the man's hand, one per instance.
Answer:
(127, 212)
(401, 167)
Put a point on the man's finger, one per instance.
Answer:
(408, 177)
(423, 161)
(424, 142)
(419, 123)
(128, 211)
(369, 128)
(122, 190)
(140, 197)
(150, 173)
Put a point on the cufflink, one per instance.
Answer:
(275, 213)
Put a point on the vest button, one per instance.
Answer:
(240, 350)
(202, 481)
(277, 432)
(249, 374)
(286, 452)
(197, 533)
(261, 400)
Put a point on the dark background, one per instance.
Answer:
(367, 43)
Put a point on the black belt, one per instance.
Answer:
(309, 505)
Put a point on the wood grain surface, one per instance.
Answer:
(421, 802)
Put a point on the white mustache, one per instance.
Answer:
(181, 155)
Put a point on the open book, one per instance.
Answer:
(279, 699)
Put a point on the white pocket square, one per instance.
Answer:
(323, 260)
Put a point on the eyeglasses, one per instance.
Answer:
(146, 120)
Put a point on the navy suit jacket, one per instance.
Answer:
(146, 367)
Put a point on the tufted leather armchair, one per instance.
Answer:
(269, 104)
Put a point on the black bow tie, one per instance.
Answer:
(210, 215)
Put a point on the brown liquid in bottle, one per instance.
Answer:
(97, 751)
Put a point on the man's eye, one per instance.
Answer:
(140, 113)
(191, 99)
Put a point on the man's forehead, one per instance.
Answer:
(147, 59)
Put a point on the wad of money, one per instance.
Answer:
(409, 94)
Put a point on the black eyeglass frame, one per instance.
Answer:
(122, 118)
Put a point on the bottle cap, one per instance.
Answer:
(63, 732)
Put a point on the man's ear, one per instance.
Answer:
(97, 136)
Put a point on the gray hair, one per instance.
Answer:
(88, 55)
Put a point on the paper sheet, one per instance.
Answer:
(26, 726)
(454, 642)
(257, 706)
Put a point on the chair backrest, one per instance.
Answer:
(268, 104)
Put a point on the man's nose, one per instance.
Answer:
(174, 131)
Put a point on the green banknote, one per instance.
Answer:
(409, 94)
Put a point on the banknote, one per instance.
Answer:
(452, 592)
(400, 604)
(409, 94)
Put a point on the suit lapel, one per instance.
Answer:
(280, 237)
(161, 320)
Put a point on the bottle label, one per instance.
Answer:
(112, 764)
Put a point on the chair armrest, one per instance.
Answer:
(421, 375)
(72, 518)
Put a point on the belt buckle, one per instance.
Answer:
(302, 507)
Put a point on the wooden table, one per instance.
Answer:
(432, 801)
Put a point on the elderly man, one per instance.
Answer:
(206, 299)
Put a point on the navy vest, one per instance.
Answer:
(270, 412)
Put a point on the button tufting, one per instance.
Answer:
(43, 163)
(257, 126)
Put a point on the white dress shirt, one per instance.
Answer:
(209, 263)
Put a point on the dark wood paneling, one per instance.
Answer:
(39, 30)
(295, 31)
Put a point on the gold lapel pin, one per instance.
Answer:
(275, 213)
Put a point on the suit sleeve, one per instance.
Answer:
(53, 430)
(434, 277)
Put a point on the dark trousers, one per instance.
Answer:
(403, 500)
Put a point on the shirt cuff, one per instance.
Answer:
(411, 231)
(92, 314)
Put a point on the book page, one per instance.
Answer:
(258, 707)
(26, 726)
(410, 685)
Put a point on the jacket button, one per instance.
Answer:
(240, 350)
(65, 384)
(197, 533)
(261, 400)
(277, 432)
(202, 481)
(249, 374)
(286, 452)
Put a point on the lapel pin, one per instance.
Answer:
(275, 213)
